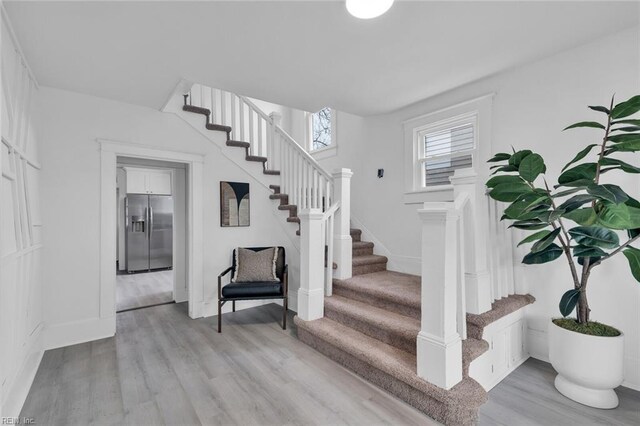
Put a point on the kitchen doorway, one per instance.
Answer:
(151, 233)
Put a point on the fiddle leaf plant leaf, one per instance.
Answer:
(593, 124)
(546, 241)
(627, 108)
(534, 237)
(633, 256)
(583, 217)
(626, 167)
(531, 167)
(594, 236)
(568, 301)
(611, 193)
(580, 155)
(509, 192)
(580, 175)
(549, 254)
(501, 156)
(619, 216)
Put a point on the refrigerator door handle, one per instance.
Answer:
(150, 221)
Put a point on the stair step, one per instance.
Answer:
(275, 188)
(368, 263)
(472, 349)
(219, 127)
(356, 234)
(389, 327)
(290, 207)
(393, 370)
(196, 109)
(361, 248)
(282, 197)
(293, 219)
(256, 158)
(392, 291)
(238, 144)
(271, 172)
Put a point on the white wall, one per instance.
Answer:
(71, 180)
(20, 229)
(532, 105)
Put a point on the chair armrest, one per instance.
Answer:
(222, 274)
(286, 280)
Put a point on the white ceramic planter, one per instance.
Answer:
(589, 367)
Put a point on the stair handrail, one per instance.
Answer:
(303, 152)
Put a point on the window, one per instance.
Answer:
(443, 149)
(321, 126)
(440, 142)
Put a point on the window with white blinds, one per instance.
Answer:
(442, 150)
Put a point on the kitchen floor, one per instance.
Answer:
(143, 289)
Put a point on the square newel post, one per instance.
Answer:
(439, 346)
(311, 292)
(476, 225)
(342, 247)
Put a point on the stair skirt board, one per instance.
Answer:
(458, 406)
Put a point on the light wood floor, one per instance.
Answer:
(143, 289)
(164, 368)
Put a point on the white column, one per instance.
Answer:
(476, 225)
(311, 292)
(439, 347)
(342, 246)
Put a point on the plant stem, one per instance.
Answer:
(565, 244)
(583, 304)
(616, 251)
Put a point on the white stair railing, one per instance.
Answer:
(443, 300)
(324, 218)
(500, 253)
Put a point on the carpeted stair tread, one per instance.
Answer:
(256, 158)
(356, 234)
(368, 259)
(389, 327)
(275, 188)
(196, 109)
(394, 370)
(287, 207)
(389, 290)
(219, 127)
(472, 349)
(500, 308)
(362, 244)
(238, 144)
(271, 172)
(279, 197)
(360, 248)
(293, 219)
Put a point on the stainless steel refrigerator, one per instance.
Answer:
(149, 236)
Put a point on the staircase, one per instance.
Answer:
(371, 321)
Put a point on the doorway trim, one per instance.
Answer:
(109, 151)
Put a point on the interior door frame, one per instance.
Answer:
(109, 152)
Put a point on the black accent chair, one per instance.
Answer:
(255, 290)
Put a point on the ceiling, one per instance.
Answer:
(303, 54)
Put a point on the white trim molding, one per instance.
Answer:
(478, 109)
(110, 150)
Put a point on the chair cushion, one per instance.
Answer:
(253, 289)
(255, 266)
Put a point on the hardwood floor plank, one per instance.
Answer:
(164, 368)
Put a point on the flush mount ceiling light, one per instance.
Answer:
(367, 9)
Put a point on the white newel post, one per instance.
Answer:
(342, 247)
(476, 226)
(439, 346)
(311, 292)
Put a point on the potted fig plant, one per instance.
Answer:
(587, 222)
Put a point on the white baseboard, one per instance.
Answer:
(74, 332)
(19, 389)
